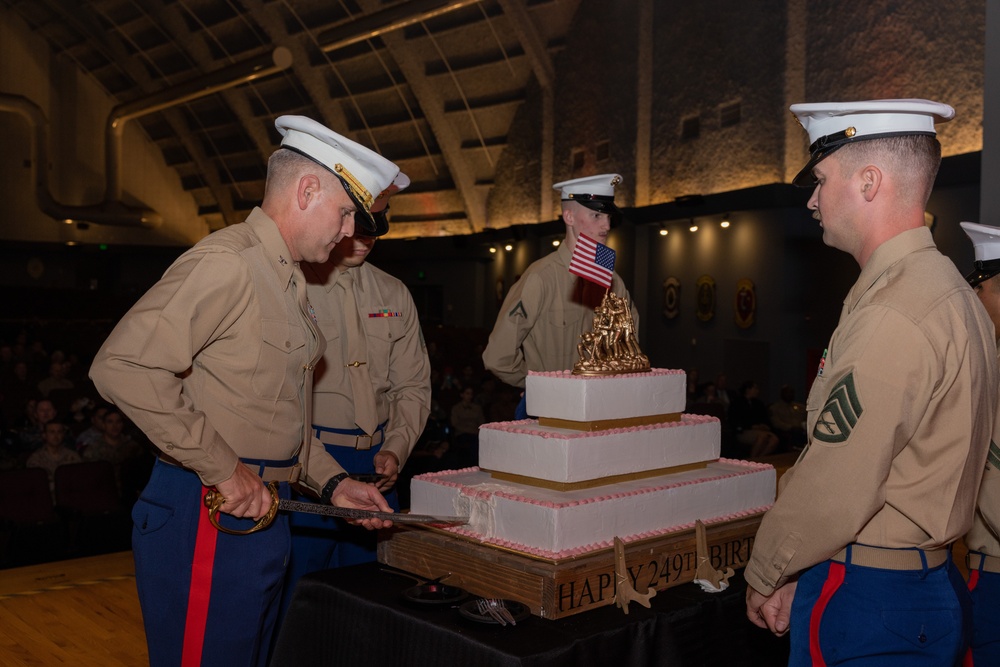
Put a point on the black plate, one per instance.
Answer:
(434, 594)
(470, 610)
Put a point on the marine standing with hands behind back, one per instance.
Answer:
(372, 392)
(983, 540)
(545, 312)
(854, 555)
(214, 363)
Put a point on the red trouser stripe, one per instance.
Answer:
(973, 580)
(834, 578)
(201, 589)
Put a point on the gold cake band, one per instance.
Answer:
(592, 483)
(605, 424)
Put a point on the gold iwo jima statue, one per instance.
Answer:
(611, 348)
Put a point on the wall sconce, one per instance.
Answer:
(725, 221)
(693, 227)
(663, 230)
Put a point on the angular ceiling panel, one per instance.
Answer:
(432, 84)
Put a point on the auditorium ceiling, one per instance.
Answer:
(432, 84)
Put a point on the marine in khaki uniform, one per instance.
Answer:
(854, 555)
(983, 540)
(395, 369)
(545, 312)
(215, 364)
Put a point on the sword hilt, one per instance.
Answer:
(214, 502)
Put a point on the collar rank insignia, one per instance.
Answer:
(840, 414)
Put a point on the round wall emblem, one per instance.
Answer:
(671, 297)
(746, 303)
(705, 288)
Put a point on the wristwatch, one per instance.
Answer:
(331, 486)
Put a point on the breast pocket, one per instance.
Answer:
(281, 360)
(383, 334)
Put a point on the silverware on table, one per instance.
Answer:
(487, 608)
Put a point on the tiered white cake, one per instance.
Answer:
(559, 489)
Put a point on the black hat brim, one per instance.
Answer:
(983, 271)
(601, 205)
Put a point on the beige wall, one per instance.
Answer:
(77, 110)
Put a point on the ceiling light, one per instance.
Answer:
(555, 242)
(693, 228)
(493, 249)
(508, 247)
(663, 231)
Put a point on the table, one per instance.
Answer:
(357, 615)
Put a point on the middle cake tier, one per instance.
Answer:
(526, 448)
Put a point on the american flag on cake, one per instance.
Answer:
(592, 261)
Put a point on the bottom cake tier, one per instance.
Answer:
(558, 524)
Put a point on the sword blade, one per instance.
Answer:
(351, 513)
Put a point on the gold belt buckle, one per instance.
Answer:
(360, 445)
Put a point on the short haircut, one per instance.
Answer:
(912, 159)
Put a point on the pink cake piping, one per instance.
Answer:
(569, 374)
(523, 427)
(473, 492)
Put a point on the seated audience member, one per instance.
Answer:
(114, 445)
(32, 435)
(18, 387)
(53, 452)
(96, 430)
(56, 379)
(788, 419)
(749, 420)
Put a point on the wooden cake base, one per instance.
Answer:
(555, 589)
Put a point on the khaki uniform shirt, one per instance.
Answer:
(397, 356)
(899, 419)
(214, 361)
(984, 536)
(541, 320)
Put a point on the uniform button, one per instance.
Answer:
(922, 638)
(288, 344)
(170, 447)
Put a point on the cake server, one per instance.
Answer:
(214, 501)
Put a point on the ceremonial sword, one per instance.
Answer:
(214, 501)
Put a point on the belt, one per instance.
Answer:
(269, 471)
(275, 471)
(979, 561)
(350, 437)
(892, 559)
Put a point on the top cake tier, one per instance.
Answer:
(586, 398)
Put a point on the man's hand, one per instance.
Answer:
(386, 464)
(352, 493)
(245, 494)
(771, 611)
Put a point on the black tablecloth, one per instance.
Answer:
(357, 616)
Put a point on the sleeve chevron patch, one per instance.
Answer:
(840, 414)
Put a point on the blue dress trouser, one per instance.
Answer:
(984, 587)
(909, 618)
(322, 542)
(207, 598)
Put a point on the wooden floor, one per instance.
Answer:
(77, 612)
